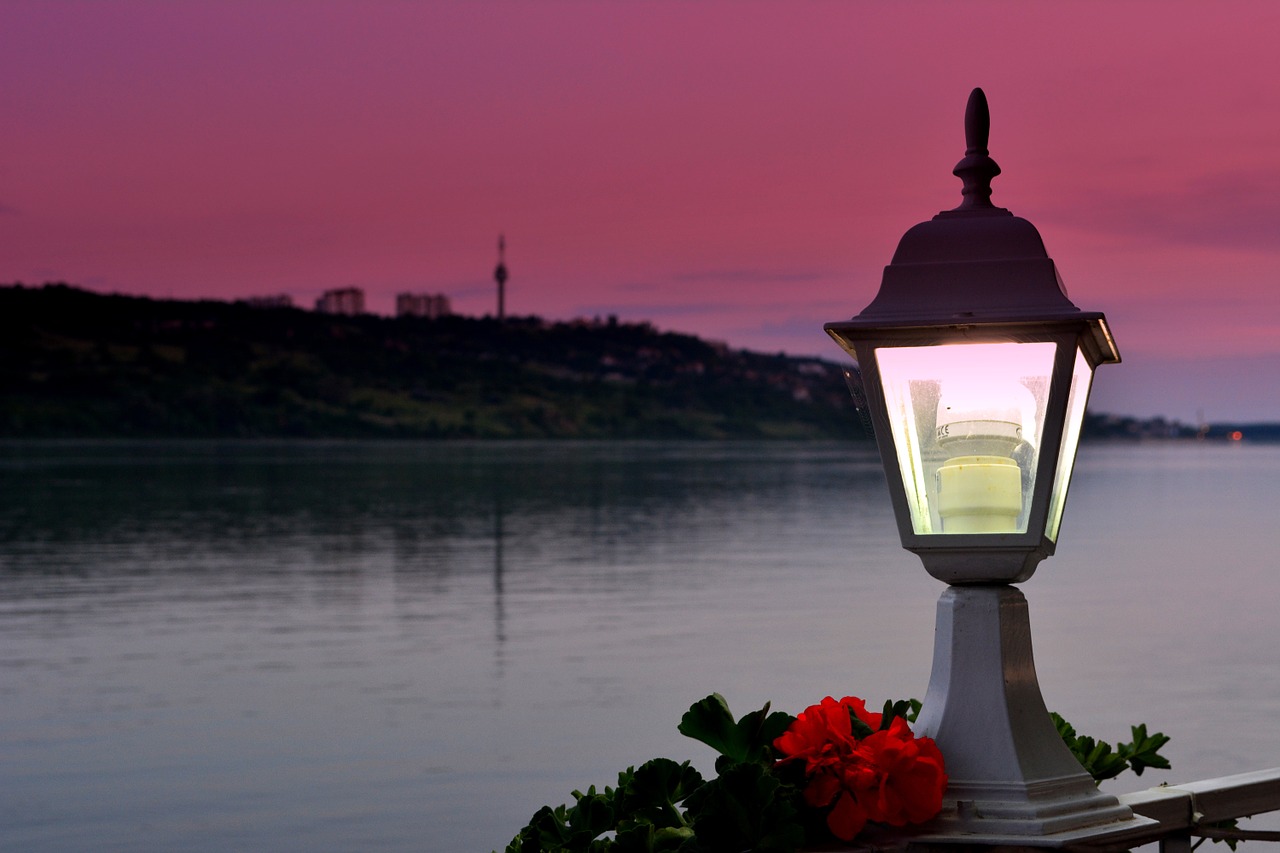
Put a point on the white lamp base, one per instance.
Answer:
(1012, 779)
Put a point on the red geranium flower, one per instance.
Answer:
(910, 780)
(890, 776)
(819, 727)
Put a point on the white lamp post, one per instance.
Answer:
(976, 369)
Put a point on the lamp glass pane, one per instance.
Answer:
(1081, 379)
(967, 420)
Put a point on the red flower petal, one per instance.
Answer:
(846, 819)
(889, 776)
(859, 707)
(821, 790)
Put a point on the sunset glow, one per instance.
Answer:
(738, 171)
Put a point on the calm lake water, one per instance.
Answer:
(366, 646)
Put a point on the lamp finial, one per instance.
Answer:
(977, 168)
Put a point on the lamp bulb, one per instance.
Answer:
(981, 425)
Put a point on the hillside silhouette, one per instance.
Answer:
(79, 364)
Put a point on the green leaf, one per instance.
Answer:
(761, 729)
(1228, 823)
(860, 729)
(591, 815)
(652, 791)
(548, 830)
(1101, 762)
(1065, 730)
(643, 837)
(711, 722)
(634, 837)
(1143, 752)
(748, 739)
(746, 808)
(907, 709)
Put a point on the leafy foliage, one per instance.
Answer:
(652, 792)
(1103, 761)
(1228, 825)
(746, 807)
(754, 803)
(641, 812)
(744, 741)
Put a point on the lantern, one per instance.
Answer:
(976, 369)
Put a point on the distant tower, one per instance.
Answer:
(500, 276)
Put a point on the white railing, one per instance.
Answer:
(1189, 810)
(1176, 814)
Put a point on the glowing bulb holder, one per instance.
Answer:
(979, 489)
(979, 494)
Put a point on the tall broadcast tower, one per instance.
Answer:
(500, 276)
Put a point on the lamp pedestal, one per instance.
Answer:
(1012, 779)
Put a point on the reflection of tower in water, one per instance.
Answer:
(500, 276)
(499, 614)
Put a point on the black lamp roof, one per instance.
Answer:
(975, 264)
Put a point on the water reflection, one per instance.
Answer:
(398, 618)
(498, 614)
(359, 645)
(352, 497)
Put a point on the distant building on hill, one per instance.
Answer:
(343, 300)
(429, 305)
(280, 300)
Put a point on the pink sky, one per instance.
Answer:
(741, 170)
